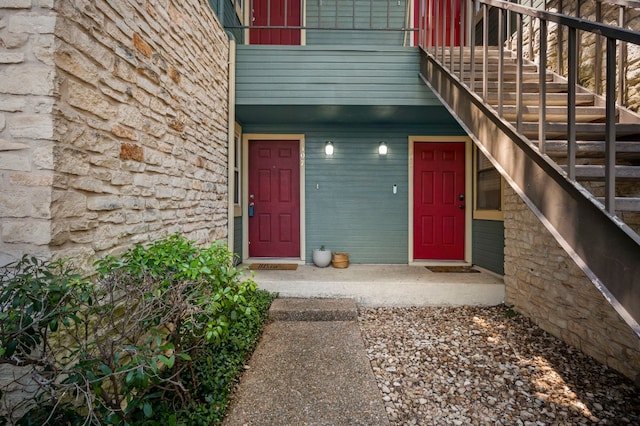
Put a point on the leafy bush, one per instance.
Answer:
(158, 338)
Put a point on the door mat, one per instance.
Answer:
(454, 269)
(273, 266)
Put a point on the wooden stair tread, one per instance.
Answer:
(588, 114)
(560, 146)
(553, 99)
(596, 172)
(584, 131)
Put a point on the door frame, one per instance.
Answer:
(245, 193)
(468, 189)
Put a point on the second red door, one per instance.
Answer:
(438, 201)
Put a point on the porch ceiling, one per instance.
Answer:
(343, 114)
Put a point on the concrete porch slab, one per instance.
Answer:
(385, 285)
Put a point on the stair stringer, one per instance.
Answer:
(603, 247)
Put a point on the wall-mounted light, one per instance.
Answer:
(328, 148)
(382, 148)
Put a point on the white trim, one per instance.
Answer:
(245, 191)
(231, 127)
(468, 187)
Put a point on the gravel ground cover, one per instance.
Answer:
(481, 365)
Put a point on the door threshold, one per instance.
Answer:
(295, 260)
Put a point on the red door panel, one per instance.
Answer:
(438, 14)
(274, 190)
(275, 13)
(438, 211)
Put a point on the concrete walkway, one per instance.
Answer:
(386, 285)
(310, 368)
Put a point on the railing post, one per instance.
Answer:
(501, 40)
(443, 34)
(597, 71)
(520, 61)
(572, 65)
(452, 33)
(622, 58)
(542, 103)
(560, 42)
(472, 44)
(485, 50)
(463, 33)
(610, 126)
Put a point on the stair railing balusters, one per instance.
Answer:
(463, 38)
(597, 70)
(542, 103)
(572, 77)
(520, 62)
(560, 41)
(485, 50)
(472, 44)
(452, 33)
(531, 32)
(443, 26)
(622, 53)
(501, 41)
(610, 128)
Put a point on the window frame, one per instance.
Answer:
(485, 214)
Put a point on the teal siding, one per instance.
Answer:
(488, 245)
(350, 206)
(226, 13)
(377, 15)
(307, 75)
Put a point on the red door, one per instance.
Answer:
(275, 13)
(274, 198)
(438, 19)
(438, 201)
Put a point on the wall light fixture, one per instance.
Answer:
(328, 148)
(382, 148)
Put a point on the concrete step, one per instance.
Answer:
(313, 309)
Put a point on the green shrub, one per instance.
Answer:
(157, 339)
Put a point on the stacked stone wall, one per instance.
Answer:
(544, 284)
(127, 140)
(27, 98)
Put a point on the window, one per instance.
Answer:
(488, 189)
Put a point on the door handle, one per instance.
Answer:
(461, 206)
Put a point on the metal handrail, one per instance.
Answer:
(467, 28)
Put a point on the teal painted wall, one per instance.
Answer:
(226, 13)
(380, 15)
(308, 75)
(488, 245)
(350, 206)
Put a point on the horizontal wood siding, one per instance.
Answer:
(226, 13)
(350, 205)
(488, 245)
(378, 15)
(306, 75)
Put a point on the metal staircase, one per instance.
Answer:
(573, 156)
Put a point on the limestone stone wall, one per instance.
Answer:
(27, 98)
(113, 125)
(546, 285)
